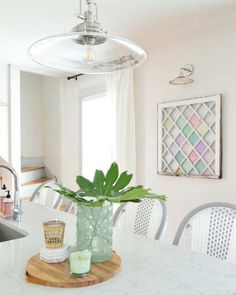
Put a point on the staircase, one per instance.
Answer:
(31, 179)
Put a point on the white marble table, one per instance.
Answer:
(148, 267)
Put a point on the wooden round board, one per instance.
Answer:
(57, 274)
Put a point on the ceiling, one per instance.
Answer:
(151, 23)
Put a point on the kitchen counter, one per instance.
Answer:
(148, 266)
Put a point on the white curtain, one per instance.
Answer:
(120, 87)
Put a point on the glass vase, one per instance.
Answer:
(94, 230)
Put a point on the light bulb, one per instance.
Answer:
(89, 55)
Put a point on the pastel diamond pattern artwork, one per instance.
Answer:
(180, 139)
(200, 147)
(179, 157)
(190, 137)
(208, 156)
(193, 156)
(187, 130)
(202, 129)
(187, 112)
(181, 122)
(200, 166)
(186, 166)
(168, 124)
(194, 120)
(186, 148)
(173, 148)
(193, 138)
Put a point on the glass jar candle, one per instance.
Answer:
(79, 261)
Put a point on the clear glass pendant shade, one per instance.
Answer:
(76, 52)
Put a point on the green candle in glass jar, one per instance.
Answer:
(79, 261)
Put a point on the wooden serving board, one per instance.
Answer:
(57, 274)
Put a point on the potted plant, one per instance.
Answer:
(94, 201)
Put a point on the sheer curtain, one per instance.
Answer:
(120, 87)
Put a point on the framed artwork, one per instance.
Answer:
(189, 137)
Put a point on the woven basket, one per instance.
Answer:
(54, 234)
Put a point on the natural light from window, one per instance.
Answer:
(98, 133)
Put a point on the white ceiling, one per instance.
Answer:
(151, 23)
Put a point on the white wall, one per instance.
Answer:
(32, 123)
(10, 115)
(15, 118)
(40, 121)
(212, 52)
(11, 77)
(6, 175)
(52, 124)
(4, 111)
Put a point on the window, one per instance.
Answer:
(98, 133)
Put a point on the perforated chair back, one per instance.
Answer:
(46, 196)
(147, 218)
(210, 229)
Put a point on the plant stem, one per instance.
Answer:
(94, 228)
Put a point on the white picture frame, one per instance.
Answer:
(189, 138)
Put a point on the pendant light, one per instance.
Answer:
(87, 49)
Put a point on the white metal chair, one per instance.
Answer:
(210, 229)
(46, 196)
(147, 218)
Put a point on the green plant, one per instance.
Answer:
(111, 187)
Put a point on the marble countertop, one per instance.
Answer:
(148, 267)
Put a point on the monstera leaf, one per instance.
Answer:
(110, 187)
